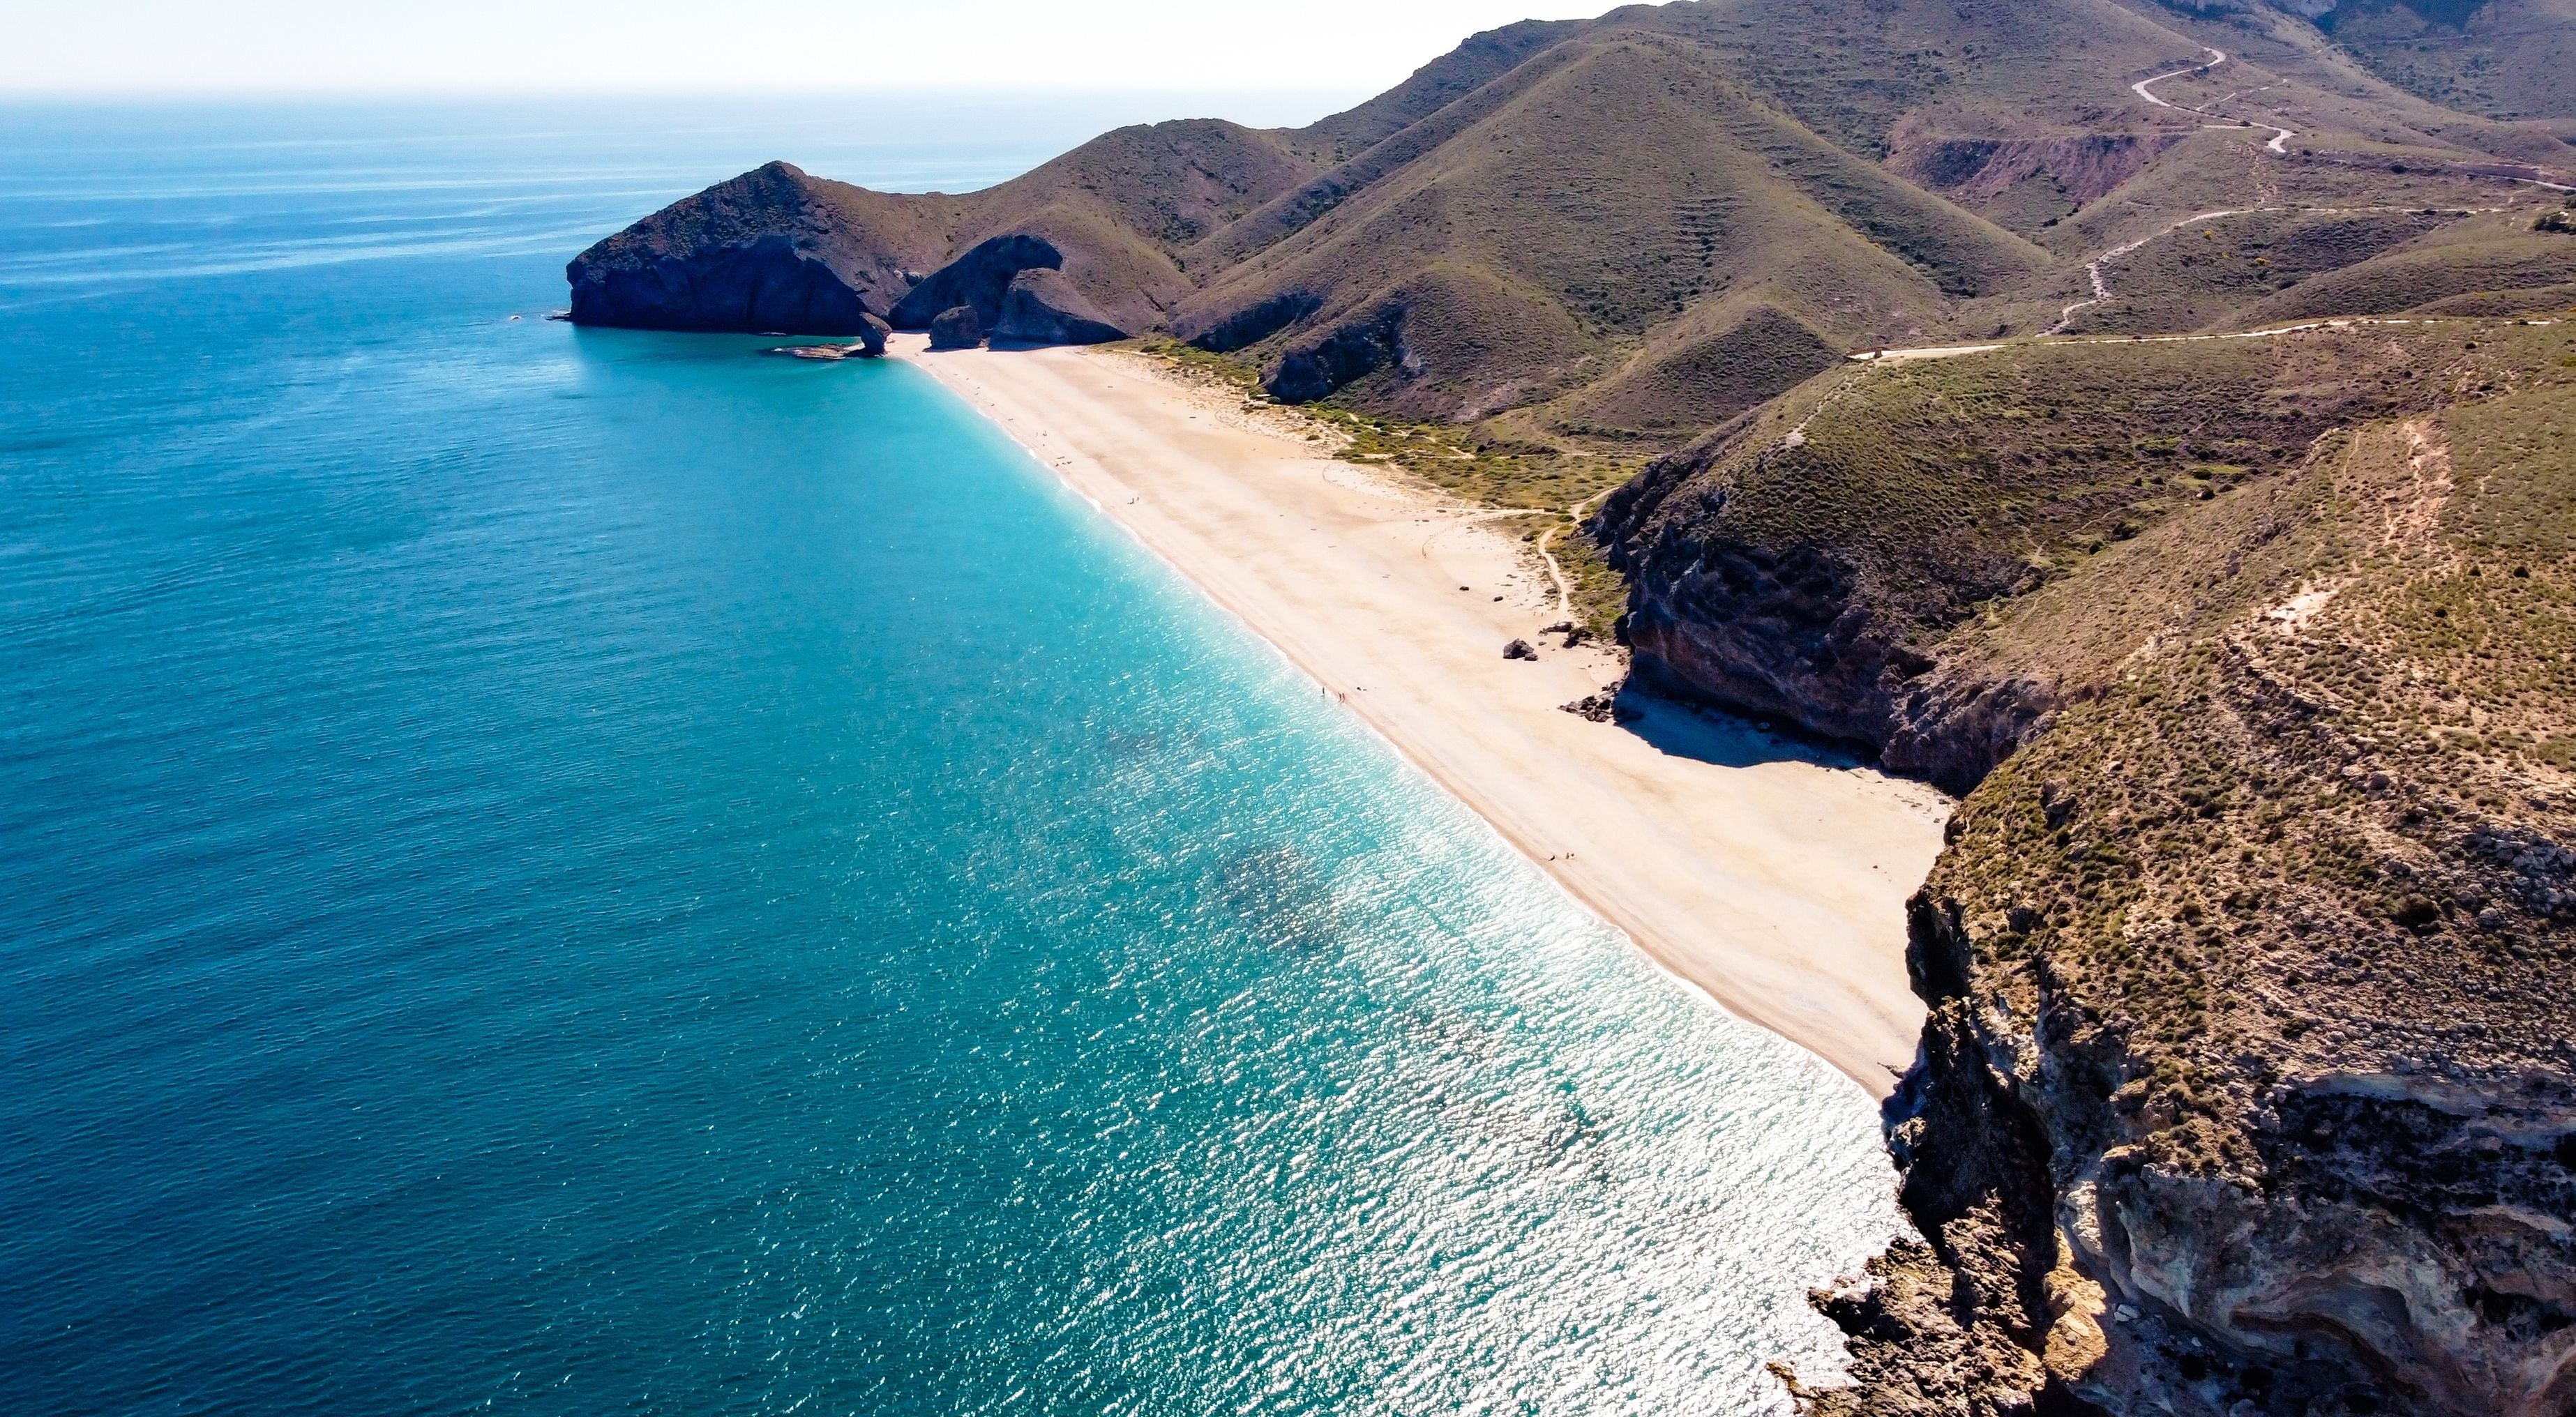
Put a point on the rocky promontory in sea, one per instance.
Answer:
(778, 250)
(765, 251)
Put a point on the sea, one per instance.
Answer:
(565, 871)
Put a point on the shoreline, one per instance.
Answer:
(1751, 867)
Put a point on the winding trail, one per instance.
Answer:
(2143, 88)
(1555, 572)
(2093, 268)
(1943, 352)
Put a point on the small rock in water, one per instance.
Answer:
(828, 353)
(1519, 649)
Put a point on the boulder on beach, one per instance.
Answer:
(872, 335)
(1519, 649)
(957, 328)
(981, 278)
(1043, 307)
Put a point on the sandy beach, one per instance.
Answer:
(1770, 876)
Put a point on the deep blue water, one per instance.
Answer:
(556, 871)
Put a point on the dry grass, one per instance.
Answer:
(2298, 819)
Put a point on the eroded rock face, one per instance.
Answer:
(1041, 306)
(766, 285)
(2407, 1252)
(978, 280)
(1351, 352)
(1783, 631)
(2084, 167)
(959, 328)
(763, 252)
(2248, 1090)
(1257, 322)
(1790, 627)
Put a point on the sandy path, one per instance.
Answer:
(1773, 881)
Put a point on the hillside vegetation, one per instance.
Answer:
(2252, 1073)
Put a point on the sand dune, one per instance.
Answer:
(1770, 876)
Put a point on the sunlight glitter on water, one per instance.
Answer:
(566, 870)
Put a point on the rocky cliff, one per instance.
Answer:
(2250, 1083)
(977, 280)
(1833, 558)
(776, 249)
(773, 249)
(1042, 306)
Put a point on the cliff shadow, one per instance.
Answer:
(1683, 728)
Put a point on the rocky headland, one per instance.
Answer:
(2250, 1081)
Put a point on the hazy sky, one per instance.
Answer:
(411, 46)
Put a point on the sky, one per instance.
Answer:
(287, 48)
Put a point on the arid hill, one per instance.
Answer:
(2251, 1081)
(1616, 233)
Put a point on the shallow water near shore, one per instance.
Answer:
(568, 871)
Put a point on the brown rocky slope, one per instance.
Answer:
(2250, 1086)
(1605, 236)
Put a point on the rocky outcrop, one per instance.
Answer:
(871, 345)
(2399, 1243)
(1042, 306)
(959, 328)
(767, 251)
(1349, 353)
(977, 280)
(1256, 322)
(1784, 631)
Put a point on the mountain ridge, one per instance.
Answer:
(1636, 187)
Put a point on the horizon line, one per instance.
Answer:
(380, 93)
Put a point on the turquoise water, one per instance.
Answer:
(559, 871)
